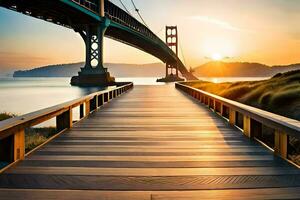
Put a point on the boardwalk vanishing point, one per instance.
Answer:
(153, 142)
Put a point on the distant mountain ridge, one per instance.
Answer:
(210, 69)
(118, 70)
(241, 69)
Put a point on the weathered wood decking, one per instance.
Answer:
(152, 143)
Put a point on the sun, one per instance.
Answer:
(217, 57)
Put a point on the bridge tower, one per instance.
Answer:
(94, 73)
(172, 43)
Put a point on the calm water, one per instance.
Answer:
(24, 95)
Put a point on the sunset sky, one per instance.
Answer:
(266, 31)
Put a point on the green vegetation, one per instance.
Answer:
(4, 116)
(33, 136)
(37, 136)
(280, 94)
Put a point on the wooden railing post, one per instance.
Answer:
(87, 107)
(19, 145)
(281, 142)
(221, 109)
(232, 116)
(97, 102)
(64, 120)
(214, 105)
(247, 126)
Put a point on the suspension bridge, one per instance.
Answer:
(142, 142)
(94, 19)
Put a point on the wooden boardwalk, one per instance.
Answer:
(153, 142)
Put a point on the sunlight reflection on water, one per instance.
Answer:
(25, 95)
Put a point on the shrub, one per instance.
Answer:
(4, 116)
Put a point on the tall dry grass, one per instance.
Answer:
(33, 136)
(279, 94)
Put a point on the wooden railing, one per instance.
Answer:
(249, 119)
(12, 131)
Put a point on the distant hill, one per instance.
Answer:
(240, 69)
(210, 69)
(4, 73)
(118, 70)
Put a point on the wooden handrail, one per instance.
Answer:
(13, 130)
(283, 126)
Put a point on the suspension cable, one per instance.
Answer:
(160, 30)
(138, 12)
(182, 54)
(124, 7)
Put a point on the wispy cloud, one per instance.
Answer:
(214, 21)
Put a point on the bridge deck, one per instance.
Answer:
(152, 143)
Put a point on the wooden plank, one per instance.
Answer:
(144, 150)
(253, 194)
(146, 183)
(155, 171)
(44, 194)
(153, 158)
(137, 153)
(155, 164)
(151, 143)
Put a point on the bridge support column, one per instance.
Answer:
(172, 74)
(93, 73)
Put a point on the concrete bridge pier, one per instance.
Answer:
(93, 73)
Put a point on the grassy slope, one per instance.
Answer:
(280, 94)
(4, 116)
(33, 136)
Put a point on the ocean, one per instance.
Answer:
(24, 95)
